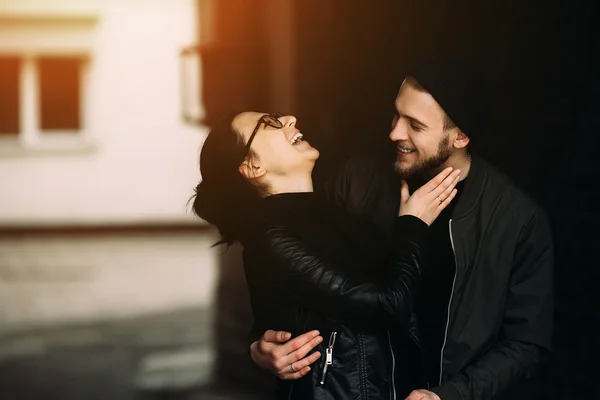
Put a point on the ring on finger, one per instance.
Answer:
(292, 366)
(440, 199)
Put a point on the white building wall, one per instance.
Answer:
(140, 160)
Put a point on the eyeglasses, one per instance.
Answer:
(271, 120)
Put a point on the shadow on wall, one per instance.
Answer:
(233, 320)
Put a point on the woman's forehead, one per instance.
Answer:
(246, 121)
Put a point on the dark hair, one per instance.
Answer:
(448, 123)
(224, 198)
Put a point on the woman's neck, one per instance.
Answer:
(290, 184)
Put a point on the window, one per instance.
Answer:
(42, 102)
(9, 95)
(44, 74)
(59, 94)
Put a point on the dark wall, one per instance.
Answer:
(235, 60)
(540, 62)
(351, 54)
(346, 78)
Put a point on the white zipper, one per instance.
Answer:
(328, 356)
(393, 365)
(449, 303)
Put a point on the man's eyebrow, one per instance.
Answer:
(417, 122)
(413, 120)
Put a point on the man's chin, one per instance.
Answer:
(404, 171)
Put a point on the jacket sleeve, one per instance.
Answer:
(527, 327)
(334, 289)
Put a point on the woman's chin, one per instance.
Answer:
(312, 153)
(310, 161)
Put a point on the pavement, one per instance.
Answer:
(165, 356)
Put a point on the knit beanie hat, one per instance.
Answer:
(459, 85)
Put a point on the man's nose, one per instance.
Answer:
(399, 132)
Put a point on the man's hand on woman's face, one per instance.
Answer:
(285, 358)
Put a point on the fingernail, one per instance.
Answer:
(287, 335)
(319, 339)
(315, 333)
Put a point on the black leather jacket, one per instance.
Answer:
(312, 266)
(500, 312)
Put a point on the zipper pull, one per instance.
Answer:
(325, 366)
(323, 374)
(328, 362)
(328, 356)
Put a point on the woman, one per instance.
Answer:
(310, 265)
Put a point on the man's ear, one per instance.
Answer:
(462, 140)
(252, 169)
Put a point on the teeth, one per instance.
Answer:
(402, 150)
(297, 138)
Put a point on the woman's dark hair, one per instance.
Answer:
(224, 197)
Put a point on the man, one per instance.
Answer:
(485, 308)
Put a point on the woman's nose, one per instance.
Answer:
(288, 120)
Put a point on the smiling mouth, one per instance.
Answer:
(405, 151)
(296, 139)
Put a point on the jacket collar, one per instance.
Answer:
(288, 203)
(474, 187)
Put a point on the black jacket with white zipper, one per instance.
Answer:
(500, 313)
(312, 266)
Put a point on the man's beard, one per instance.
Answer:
(426, 166)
